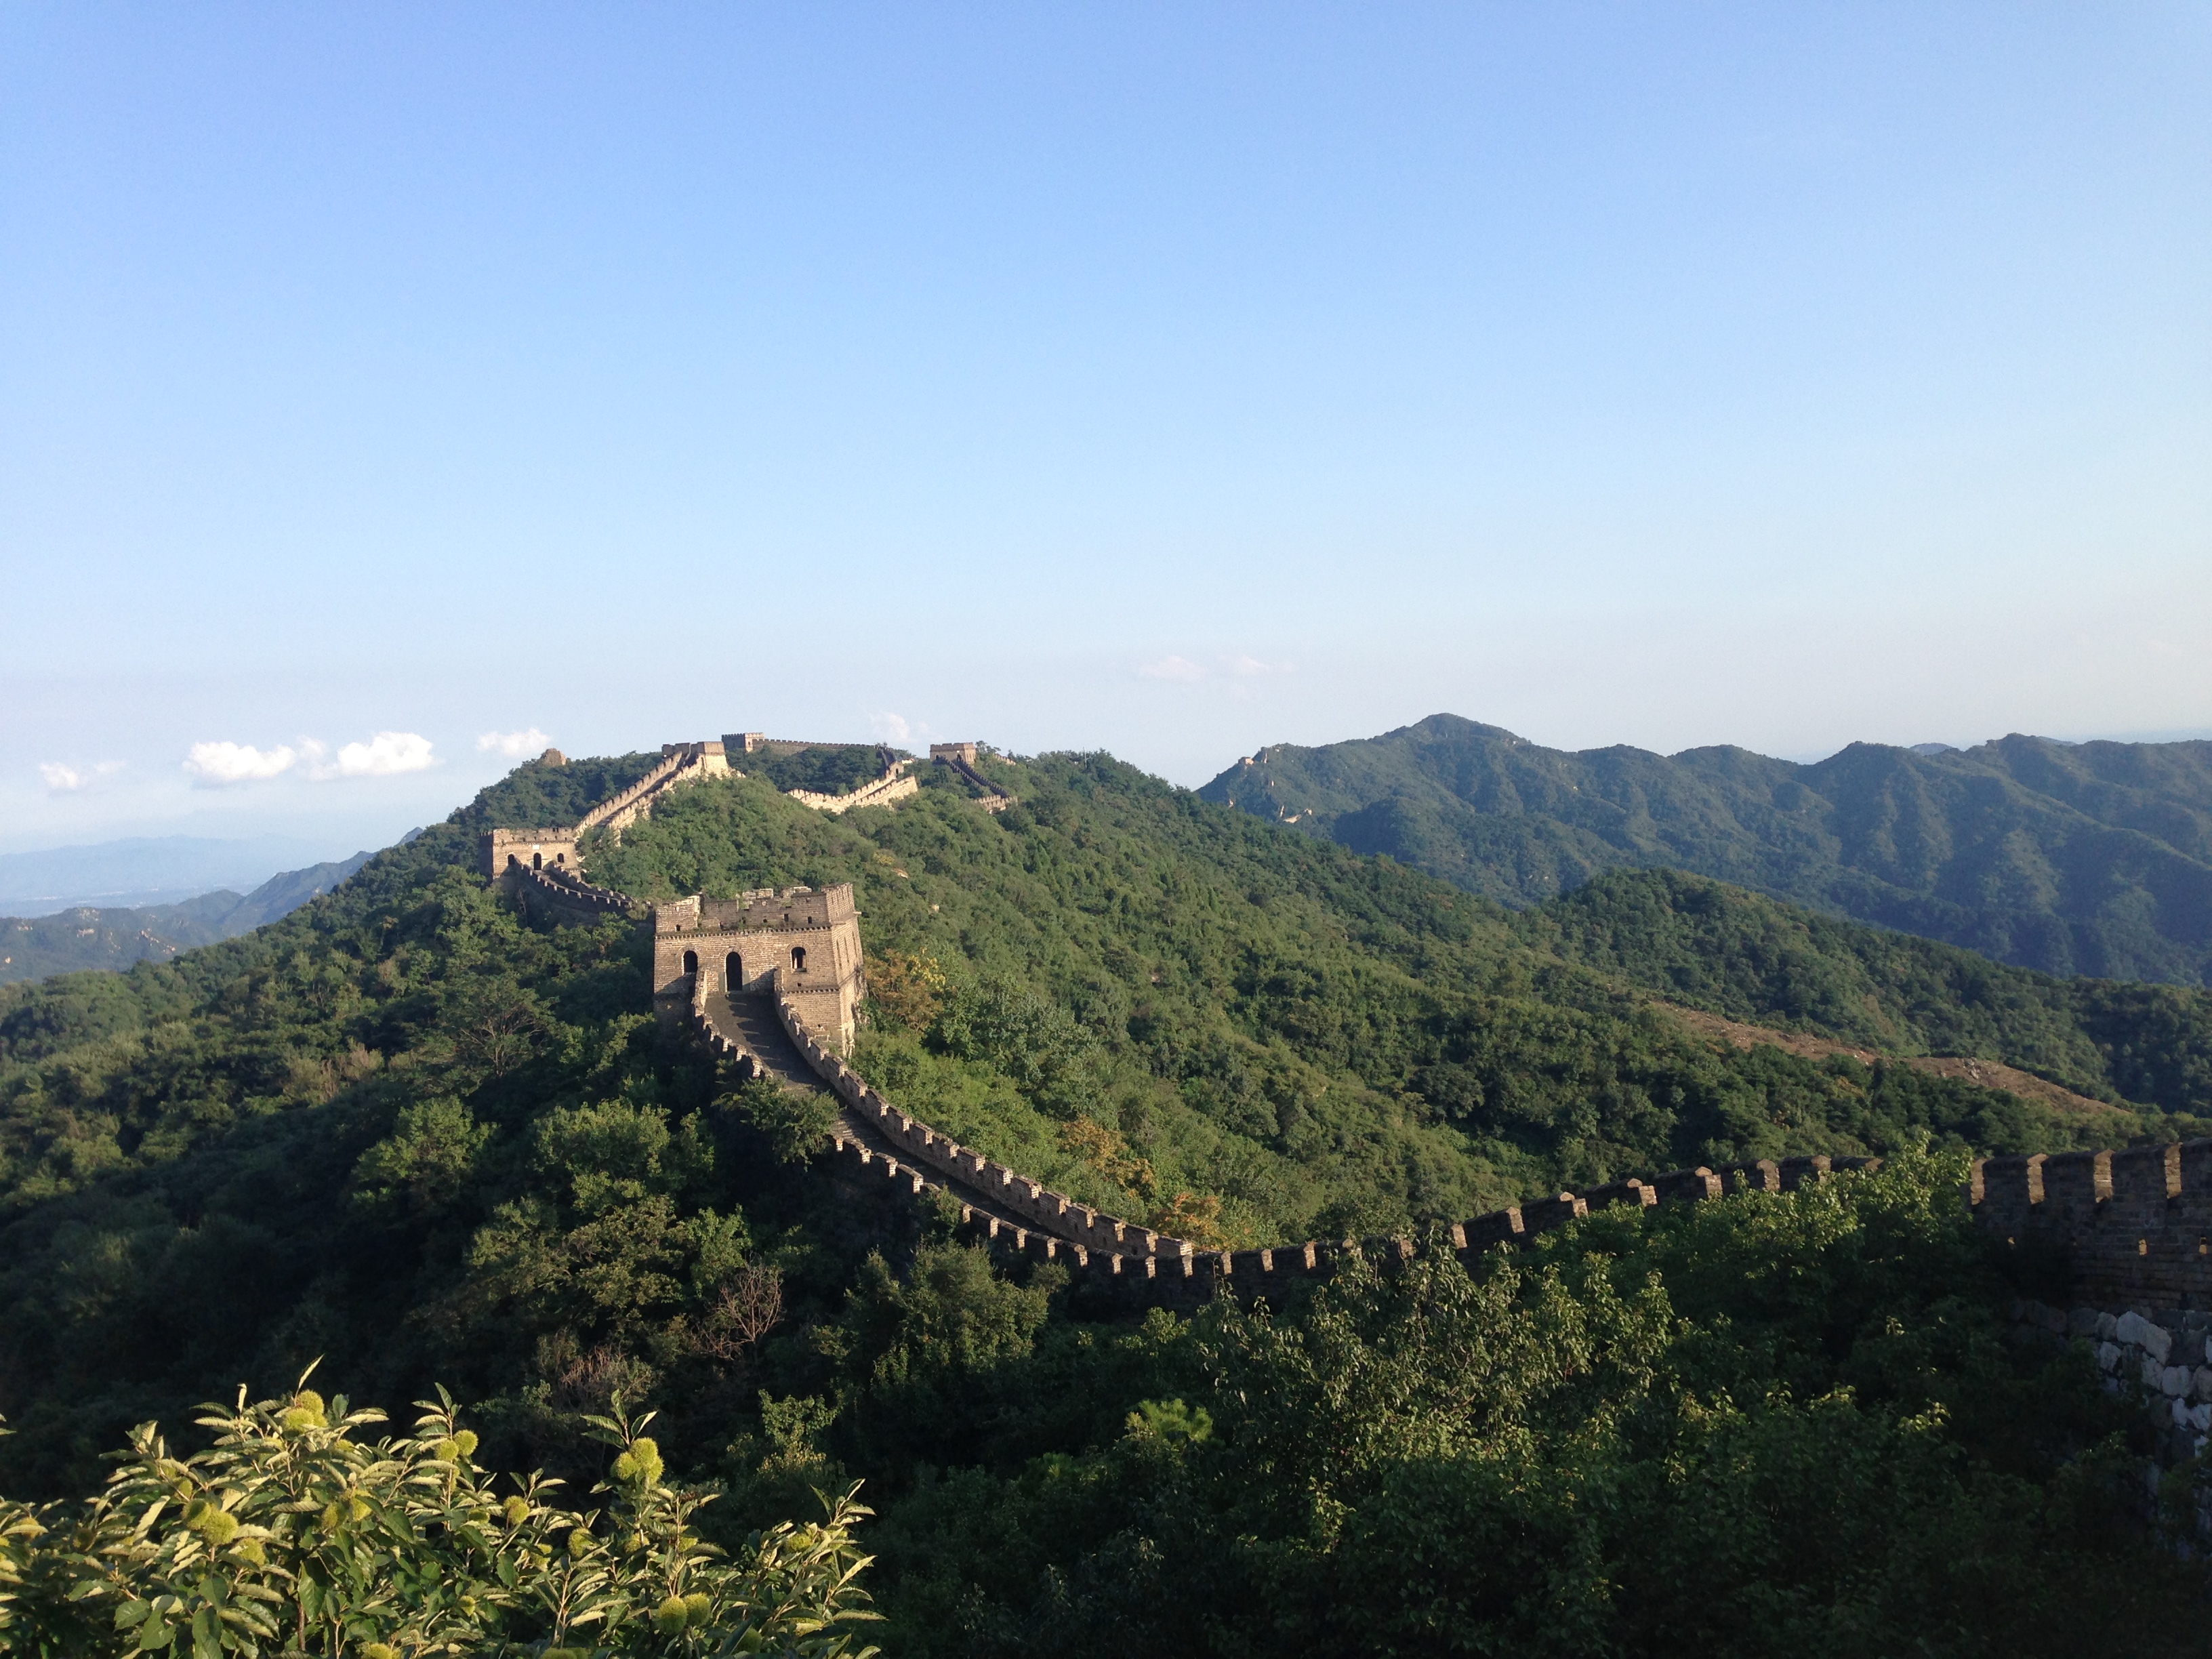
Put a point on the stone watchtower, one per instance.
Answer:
(798, 942)
(501, 851)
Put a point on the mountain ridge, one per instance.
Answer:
(89, 937)
(2089, 859)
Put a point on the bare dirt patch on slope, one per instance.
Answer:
(1984, 1073)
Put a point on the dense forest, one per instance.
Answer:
(402, 1133)
(2092, 858)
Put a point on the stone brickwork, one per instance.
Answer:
(680, 763)
(895, 785)
(504, 851)
(2127, 1229)
(798, 943)
(961, 757)
(1054, 1213)
(554, 895)
(2164, 1361)
(1136, 1265)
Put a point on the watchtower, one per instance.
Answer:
(801, 943)
(504, 850)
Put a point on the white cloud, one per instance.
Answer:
(237, 762)
(1172, 668)
(62, 778)
(515, 745)
(895, 729)
(1246, 666)
(386, 754)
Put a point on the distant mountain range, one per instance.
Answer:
(87, 936)
(2075, 859)
(144, 870)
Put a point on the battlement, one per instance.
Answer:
(504, 851)
(754, 743)
(563, 895)
(961, 757)
(803, 939)
(781, 908)
(680, 763)
(2129, 1228)
(895, 784)
(1139, 1264)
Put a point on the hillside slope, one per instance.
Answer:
(2091, 859)
(403, 1130)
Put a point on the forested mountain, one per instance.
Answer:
(70, 941)
(403, 1132)
(2091, 858)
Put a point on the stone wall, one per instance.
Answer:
(501, 851)
(1136, 1264)
(801, 946)
(555, 895)
(1053, 1212)
(805, 941)
(895, 784)
(728, 1048)
(2126, 1228)
(2164, 1360)
(681, 762)
(961, 757)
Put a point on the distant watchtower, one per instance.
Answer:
(802, 942)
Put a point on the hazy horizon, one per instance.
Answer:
(306, 850)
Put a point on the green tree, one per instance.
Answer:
(295, 1533)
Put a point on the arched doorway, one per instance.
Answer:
(799, 958)
(537, 860)
(733, 975)
(691, 962)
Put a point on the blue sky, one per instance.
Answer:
(1172, 379)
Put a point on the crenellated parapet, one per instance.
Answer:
(1006, 1189)
(560, 896)
(680, 763)
(1136, 1264)
(2130, 1228)
(505, 853)
(800, 944)
(895, 785)
(961, 759)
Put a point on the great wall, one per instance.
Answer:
(2124, 1237)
